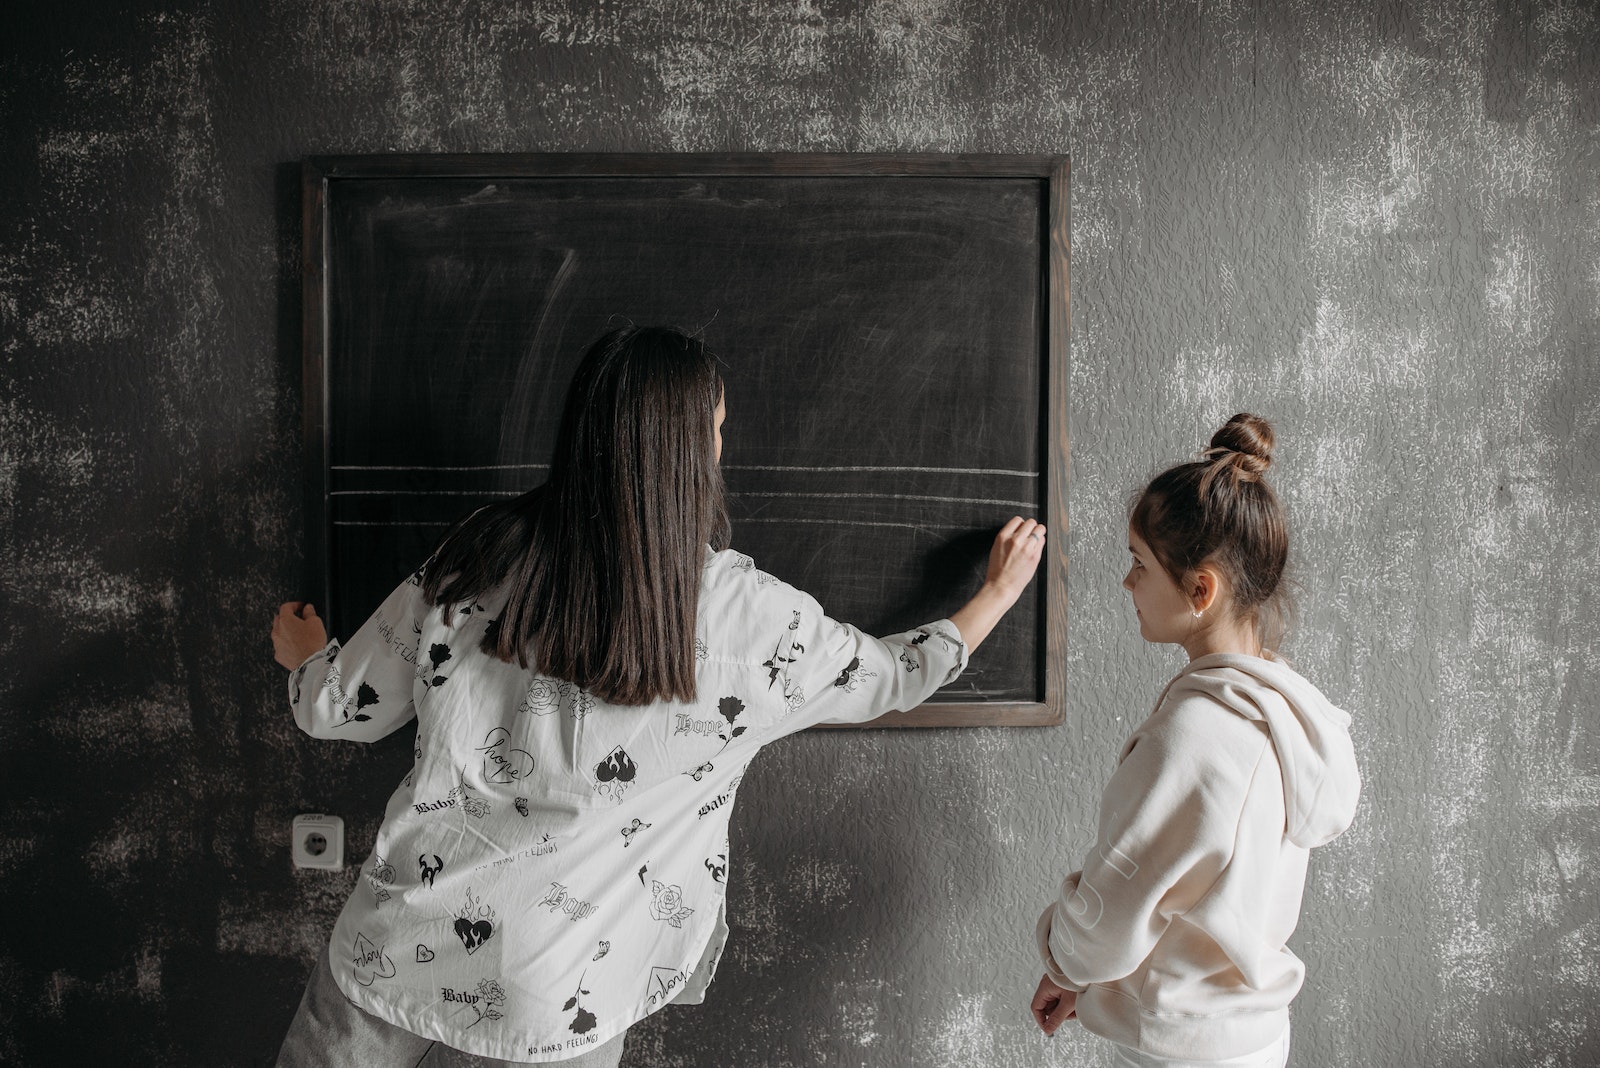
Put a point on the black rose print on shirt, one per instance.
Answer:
(583, 1020)
(365, 695)
(730, 707)
(438, 655)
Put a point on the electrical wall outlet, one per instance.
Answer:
(318, 841)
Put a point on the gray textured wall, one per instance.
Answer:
(1376, 222)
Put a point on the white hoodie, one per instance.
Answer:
(1174, 932)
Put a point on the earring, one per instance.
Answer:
(1197, 613)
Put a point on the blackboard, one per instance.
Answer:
(892, 329)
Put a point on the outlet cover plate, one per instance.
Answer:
(317, 841)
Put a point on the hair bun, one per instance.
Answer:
(1244, 443)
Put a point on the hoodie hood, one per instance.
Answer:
(1312, 737)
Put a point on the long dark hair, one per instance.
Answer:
(1219, 509)
(603, 561)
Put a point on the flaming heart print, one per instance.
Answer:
(474, 923)
(614, 774)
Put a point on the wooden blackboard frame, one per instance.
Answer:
(319, 173)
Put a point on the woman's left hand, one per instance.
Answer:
(296, 634)
(1013, 558)
(1053, 1006)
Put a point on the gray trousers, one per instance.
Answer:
(330, 1029)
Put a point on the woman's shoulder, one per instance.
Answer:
(737, 598)
(731, 571)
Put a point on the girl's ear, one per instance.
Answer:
(1203, 589)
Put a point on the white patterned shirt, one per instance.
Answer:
(554, 868)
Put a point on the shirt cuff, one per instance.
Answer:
(1042, 933)
(949, 632)
(297, 676)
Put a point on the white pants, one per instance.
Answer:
(1274, 1056)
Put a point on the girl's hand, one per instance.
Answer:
(1053, 1006)
(1015, 556)
(296, 634)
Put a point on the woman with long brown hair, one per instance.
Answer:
(592, 670)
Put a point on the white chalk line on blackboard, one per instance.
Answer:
(726, 467)
(859, 523)
(930, 470)
(731, 493)
(478, 467)
(426, 493)
(883, 496)
(737, 522)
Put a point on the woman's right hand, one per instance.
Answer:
(297, 633)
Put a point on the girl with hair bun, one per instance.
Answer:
(1170, 941)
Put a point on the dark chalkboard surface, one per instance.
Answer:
(893, 330)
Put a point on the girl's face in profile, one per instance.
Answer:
(716, 426)
(1165, 614)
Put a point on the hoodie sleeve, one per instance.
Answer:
(1168, 824)
(362, 690)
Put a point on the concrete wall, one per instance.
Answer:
(1375, 221)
